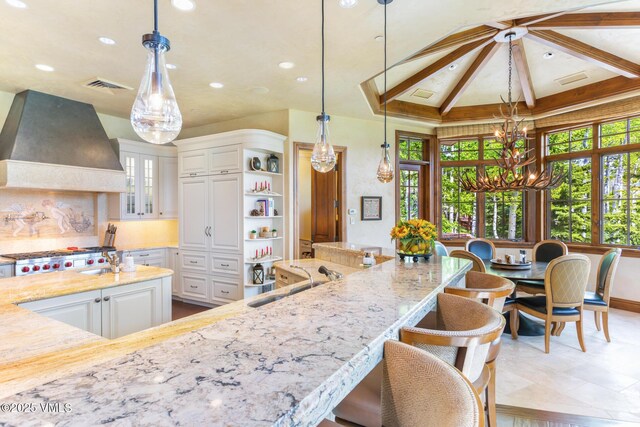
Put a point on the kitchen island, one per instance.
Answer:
(285, 363)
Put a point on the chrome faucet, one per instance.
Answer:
(297, 267)
(114, 261)
(331, 274)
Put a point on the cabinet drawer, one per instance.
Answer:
(193, 261)
(151, 262)
(6, 271)
(139, 256)
(226, 264)
(192, 163)
(223, 160)
(194, 286)
(222, 290)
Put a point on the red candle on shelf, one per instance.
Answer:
(269, 186)
(270, 250)
(256, 185)
(256, 253)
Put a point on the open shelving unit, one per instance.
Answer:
(276, 183)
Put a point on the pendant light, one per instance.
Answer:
(385, 168)
(323, 158)
(155, 115)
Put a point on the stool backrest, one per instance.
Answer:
(478, 265)
(487, 288)
(440, 249)
(420, 390)
(606, 272)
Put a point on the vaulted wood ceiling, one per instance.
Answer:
(462, 76)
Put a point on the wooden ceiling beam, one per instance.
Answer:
(581, 21)
(481, 112)
(501, 25)
(520, 59)
(585, 94)
(454, 40)
(472, 72)
(432, 69)
(409, 110)
(531, 20)
(586, 52)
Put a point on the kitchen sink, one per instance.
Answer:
(96, 271)
(274, 298)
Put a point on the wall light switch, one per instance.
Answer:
(352, 221)
(352, 212)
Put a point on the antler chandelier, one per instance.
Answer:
(515, 165)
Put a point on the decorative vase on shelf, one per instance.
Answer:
(415, 238)
(253, 234)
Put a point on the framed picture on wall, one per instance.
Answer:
(371, 208)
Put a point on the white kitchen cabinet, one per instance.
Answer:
(82, 310)
(131, 308)
(193, 214)
(173, 262)
(193, 163)
(195, 286)
(225, 213)
(148, 257)
(225, 289)
(225, 160)
(168, 187)
(6, 271)
(111, 312)
(151, 182)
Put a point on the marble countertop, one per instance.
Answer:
(312, 265)
(286, 363)
(356, 247)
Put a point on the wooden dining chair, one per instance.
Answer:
(565, 283)
(440, 249)
(545, 251)
(420, 390)
(598, 301)
(483, 248)
(478, 265)
(493, 291)
(462, 341)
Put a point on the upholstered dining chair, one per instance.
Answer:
(478, 265)
(483, 248)
(565, 283)
(440, 249)
(461, 341)
(546, 251)
(598, 301)
(494, 291)
(420, 390)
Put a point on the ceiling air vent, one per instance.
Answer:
(105, 86)
(572, 78)
(422, 93)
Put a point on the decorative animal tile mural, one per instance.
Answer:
(46, 214)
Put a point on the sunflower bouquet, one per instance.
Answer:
(415, 236)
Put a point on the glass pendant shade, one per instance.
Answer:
(385, 168)
(155, 115)
(323, 158)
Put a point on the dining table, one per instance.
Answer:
(528, 327)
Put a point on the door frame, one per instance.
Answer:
(342, 193)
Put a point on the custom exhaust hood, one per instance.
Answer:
(54, 143)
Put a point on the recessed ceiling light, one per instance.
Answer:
(286, 65)
(184, 5)
(43, 67)
(216, 85)
(548, 55)
(347, 4)
(453, 67)
(301, 79)
(17, 3)
(106, 40)
(378, 38)
(171, 67)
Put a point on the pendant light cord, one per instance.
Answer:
(385, 76)
(155, 16)
(322, 58)
(155, 31)
(510, 66)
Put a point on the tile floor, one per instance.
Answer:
(604, 382)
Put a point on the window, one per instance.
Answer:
(601, 159)
(412, 165)
(464, 214)
(459, 208)
(569, 205)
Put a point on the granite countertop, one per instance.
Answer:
(7, 261)
(312, 265)
(356, 247)
(285, 363)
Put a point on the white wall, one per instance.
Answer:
(362, 139)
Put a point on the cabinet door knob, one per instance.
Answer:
(160, 213)
(106, 298)
(97, 300)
